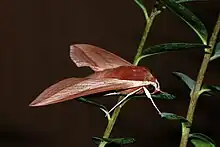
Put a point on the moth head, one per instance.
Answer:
(151, 82)
(157, 88)
(152, 86)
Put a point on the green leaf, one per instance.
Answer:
(163, 48)
(214, 87)
(171, 116)
(119, 141)
(164, 95)
(140, 3)
(210, 89)
(208, 93)
(216, 52)
(183, 1)
(186, 79)
(97, 140)
(161, 95)
(122, 141)
(187, 16)
(201, 140)
(84, 100)
(206, 89)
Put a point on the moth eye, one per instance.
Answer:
(151, 88)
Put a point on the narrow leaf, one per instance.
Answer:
(183, 1)
(164, 95)
(119, 141)
(122, 141)
(97, 140)
(171, 116)
(214, 88)
(84, 100)
(216, 52)
(206, 89)
(187, 16)
(186, 79)
(201, 140)
(163, 48)
(161, 95)
(140, 3)
(209, 93)
(210, 89)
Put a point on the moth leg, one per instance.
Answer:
(112, 93)
(149, 96)
(106, 113)
(120, 102)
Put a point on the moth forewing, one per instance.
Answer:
(86, 87)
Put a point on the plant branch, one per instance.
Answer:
(196, 90)
(111, 122)
(149, 22)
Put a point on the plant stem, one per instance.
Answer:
(116, 112)
(196, 90)
(111, 123)
(149, 22)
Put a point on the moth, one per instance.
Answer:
(111, 73)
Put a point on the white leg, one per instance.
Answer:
(119, 103)
(106, 113)
(149, 96)
(113, 93)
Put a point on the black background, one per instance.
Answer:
(34, 53)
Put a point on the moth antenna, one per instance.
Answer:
(120, 102)
(149, 96)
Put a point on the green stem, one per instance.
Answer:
(111, 124)
(196, 90)
(150, 20)
(115, 114)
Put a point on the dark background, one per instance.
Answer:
(34, 53)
